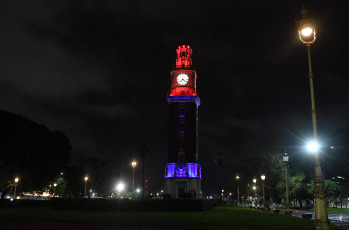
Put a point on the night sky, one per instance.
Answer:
(99, 71)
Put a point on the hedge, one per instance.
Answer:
(131, 205)
(23, 203)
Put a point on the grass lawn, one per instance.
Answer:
(333, 210)
(218, 218)
(337, 209)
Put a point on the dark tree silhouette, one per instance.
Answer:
(6, 188)
(142, 152)
(98, 173)
(31, 151)
(219, 159)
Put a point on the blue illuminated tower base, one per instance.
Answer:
(183, 180)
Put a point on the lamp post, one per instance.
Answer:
(307, 34)
(285, 158)
(248, 195)
(255, 196)
(16, 182)
(133, 164)
(238, 178)
(86, 179)
(54, 189)
(255, 192)
(263, 180)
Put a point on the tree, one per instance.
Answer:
(272, 165)
(31, 151)
(344, 184)
(98, 174)
(143, 151)
(333, 190)
(61, 187)
(74, 176)
(6, 188)
(219, 159)
(301, 189)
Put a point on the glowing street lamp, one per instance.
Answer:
(16, 182)
(254, 187)
(255, 192)
(133, 164)
(307, 34)
(306, 28)
(85, 179)
(54, 189)
(263, 180)
(238, 178)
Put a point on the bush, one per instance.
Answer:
(6, 203)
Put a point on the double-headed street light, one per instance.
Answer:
(285, 158)
(255, 192)
(307, 34)
(238, 178)
(263, 180)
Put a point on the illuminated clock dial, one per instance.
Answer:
(182, 79)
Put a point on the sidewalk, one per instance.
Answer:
(339, 219)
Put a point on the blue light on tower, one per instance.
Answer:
(189, 170)
(195, 99)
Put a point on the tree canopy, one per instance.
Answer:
(31, 152)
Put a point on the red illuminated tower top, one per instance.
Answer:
(184, 54)
(183, 76)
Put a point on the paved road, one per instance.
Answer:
(339, 219)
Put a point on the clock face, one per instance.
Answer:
(182, 79)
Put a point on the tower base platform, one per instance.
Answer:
(183, 187)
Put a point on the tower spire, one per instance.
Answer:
(184, 56)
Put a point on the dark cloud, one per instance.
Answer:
(99, 71)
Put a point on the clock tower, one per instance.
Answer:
(183, 171)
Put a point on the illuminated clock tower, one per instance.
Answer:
(183, 171)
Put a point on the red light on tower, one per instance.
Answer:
(183, 76)
(184, 55)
